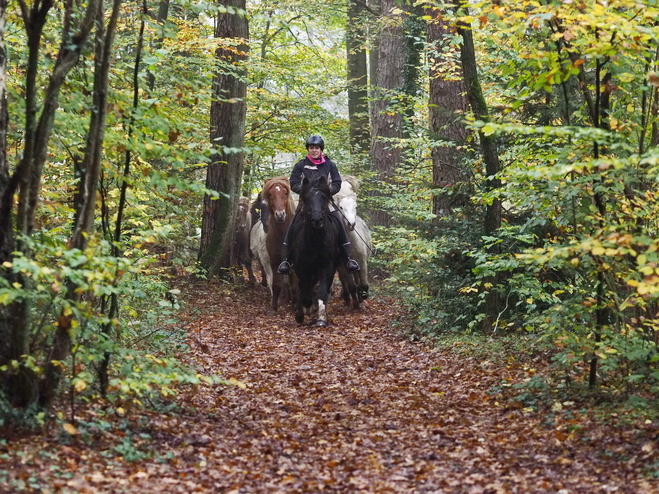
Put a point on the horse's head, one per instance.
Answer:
(242, 214)
(277, 194)
(315, 195)
(348, 207)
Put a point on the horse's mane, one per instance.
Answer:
(314, 181)
(269, 183)
(353, 181)
(283, 182)
(349, 188)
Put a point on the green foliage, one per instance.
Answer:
(124, 309)
(575, 261)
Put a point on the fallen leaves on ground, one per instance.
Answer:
(349, 408)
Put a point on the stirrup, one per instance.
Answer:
(352, 266)
(284, 267)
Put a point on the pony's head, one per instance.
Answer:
(277, 194)
(348, 207)
(242, 214)
(315, 195)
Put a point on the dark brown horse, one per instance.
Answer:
(281, 208)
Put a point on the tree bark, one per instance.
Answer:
(387, 120)
(6, 232)
(447, 105)
(360, 135)
(160, 17)
(227, 135)
(479, 107)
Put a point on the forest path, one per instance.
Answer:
(352, 408)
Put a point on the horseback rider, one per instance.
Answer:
(316, 161)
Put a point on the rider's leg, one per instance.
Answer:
(285, 266)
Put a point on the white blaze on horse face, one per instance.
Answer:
(280, 214)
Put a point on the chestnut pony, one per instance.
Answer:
(276, 194)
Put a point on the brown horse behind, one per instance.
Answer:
(281, 207)
(241, 252)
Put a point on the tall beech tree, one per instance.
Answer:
(447, 105)
(356, 58)
(387, 116)
(228, 110)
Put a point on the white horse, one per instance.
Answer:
(260, 252)
(360, 240)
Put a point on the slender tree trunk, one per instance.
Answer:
(413, 42)
(6, 231)
(360, 135)
(479, 107)
(488, 149)
(447, 105)
(387, 121)
(227, 135)
(160, 17)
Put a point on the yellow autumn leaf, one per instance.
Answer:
(70, 428)
(238, 383)
(598, 251)
(80, 385)
(642, 259)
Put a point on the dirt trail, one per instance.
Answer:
(354, 408)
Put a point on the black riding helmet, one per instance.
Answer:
(316, 140)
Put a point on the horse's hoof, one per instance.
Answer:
(321, 324)
(299, 319)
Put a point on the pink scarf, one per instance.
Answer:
(318, 161)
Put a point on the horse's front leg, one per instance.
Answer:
(276, 290)
(303, 300)
(250, 272)
(323, 296)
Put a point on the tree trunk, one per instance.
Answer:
(479, 107)
(488, 150)
(360, 135)
(447, 105)
(374, 39)
(7, 315)
(227, 135)
(160, 17)
(387, 121)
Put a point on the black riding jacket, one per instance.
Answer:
(327, 169)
